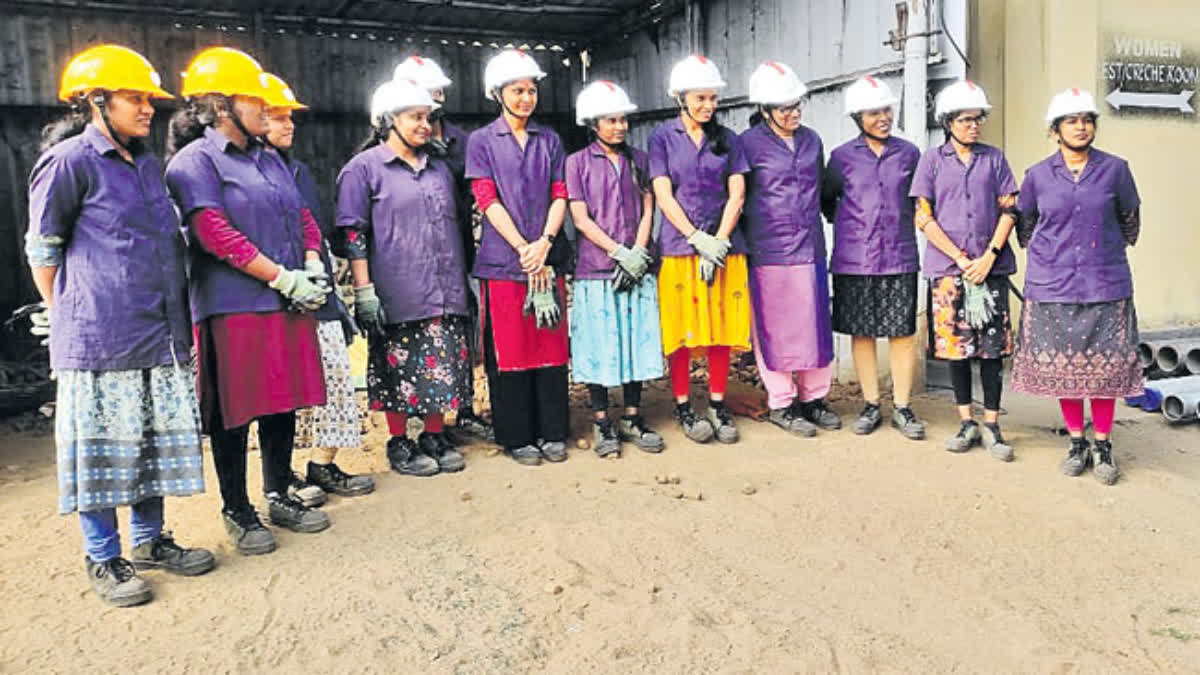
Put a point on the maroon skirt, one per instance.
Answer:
(255, 364)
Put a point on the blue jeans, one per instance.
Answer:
(102, 539)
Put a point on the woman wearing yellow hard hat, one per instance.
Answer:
(255, 255)
(335, 424)
(104, 246)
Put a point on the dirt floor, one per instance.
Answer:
(782, 555)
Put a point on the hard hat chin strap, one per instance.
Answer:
(392, 128)
(101, 101)
(237, 119)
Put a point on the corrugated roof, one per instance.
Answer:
(573, 22)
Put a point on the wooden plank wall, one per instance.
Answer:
(333, 73)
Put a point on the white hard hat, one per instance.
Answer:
(774, 83)
(1071, 102)
(962, 95)
(868, 93)
(601, 99)
(394, 96)
(694, 72)
(426, 72)
(509, 65)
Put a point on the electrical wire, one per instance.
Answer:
(946, 32)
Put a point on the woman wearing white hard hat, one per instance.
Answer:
(966, 206)
(396, 209)
(615, 332)
(789, 286)
(515, 166)
(1079, 212)
(449, 142)
(696, 165)
(875, 263)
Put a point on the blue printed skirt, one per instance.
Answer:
(615, 337)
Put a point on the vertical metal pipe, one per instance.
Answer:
(916, 63)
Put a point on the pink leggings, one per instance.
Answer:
(1103, 410)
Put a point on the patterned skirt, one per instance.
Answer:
(878, 306)
(123, 436)
(420, 367)
(615, 337)
(1068, 350)
(695, 314)
(951, 337)
(335, 424)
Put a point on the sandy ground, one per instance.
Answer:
(851, 554)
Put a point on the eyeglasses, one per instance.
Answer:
(976, 121)
(790, 109)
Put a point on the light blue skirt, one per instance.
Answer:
(126, 435)
(615, 337)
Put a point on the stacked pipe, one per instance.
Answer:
(1170, 361)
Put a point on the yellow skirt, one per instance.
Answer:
(694, 314)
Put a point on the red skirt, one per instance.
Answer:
(255, 364)
(519, 343)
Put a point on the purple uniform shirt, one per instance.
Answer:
(613, 200)
(867, 200)
(699, 179)
(965, 203)
(782, 216)
(414, 244)
(258, 194)
(1077, 251)
(523, 180)
(120, 295)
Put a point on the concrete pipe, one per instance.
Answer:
(1181, 407)
(1156, 390)
(1146, 353)
(1169, 359)
(1192, 360)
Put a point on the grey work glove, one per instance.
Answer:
(299, 289)
(623, 281)
(708, 271)
(40, 327)
(543, 304)
(368, 311)
(349, 328)
(314, 269)
(978, 303)
(634, 260)
(709, 247)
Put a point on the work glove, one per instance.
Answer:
(543, 304)
(978, 304)
(635, 261)
(314, 269)
(709, 247)
(623, 281)
(300, 291)
(708, 271)
(368, 311)
(40, 320)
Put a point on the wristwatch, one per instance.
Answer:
(996, 251)
(548, 237)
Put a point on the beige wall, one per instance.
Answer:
(1026, 50)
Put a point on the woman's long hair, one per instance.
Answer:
(625, 151)
(71, 124)
(716, 136)
(188, 123)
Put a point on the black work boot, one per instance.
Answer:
(247, 532)
(1078, 457)
(162, 553)
(1104, 465)
(695, 428)
(305, 492)
(406, 458)
(442, 451)
(633, 429)
(721, 420)
(469, 424)
(330, 478)
(604, 437)
(288, 512)
(117, 582)
(818, 413)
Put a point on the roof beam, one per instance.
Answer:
(531, 7)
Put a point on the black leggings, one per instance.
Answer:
(526, 404)
(991, 378)
(276, 436)
(630, 391)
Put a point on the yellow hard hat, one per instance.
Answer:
(279, 94)
(110, 67)
(222, 70)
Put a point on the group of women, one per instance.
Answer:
(740, 260)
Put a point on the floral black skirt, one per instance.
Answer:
(420, 367)
(950, 336)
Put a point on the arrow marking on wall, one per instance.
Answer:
(1180, 101)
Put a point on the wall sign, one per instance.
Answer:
(1145, 75)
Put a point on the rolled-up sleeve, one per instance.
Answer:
(56, 190)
